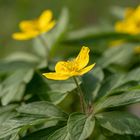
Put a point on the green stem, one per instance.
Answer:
(43, 41)
(80, 93)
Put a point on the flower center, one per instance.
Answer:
(72, 66)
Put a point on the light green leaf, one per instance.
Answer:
(121, 55)
(14, 125)
(14, 136)
(8, 108)
(23, 57)
(118, 11)
(80, 126)
(119, 122)
(13, 87)
(11, 66)
(59, 29)
(7, 112)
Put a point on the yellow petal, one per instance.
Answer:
(130, 24)
(45, 18)
(129, 11)
(24, 36)
(48, 27)
(56, 76)
(136, 13)
(61, 67)
(86, 69)
(83, 57)
(28, 25)
(119, 26)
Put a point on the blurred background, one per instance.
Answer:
(82, 14)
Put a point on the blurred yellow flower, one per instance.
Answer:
(33, 28)
(131, 22)
(76, 67)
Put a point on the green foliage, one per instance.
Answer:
(34, 108)
(80, 126)
(119, 122)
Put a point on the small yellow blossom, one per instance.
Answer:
(75, 67)
(33, 28)
(131, 22)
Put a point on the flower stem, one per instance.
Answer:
(80, 93)
(43, 41)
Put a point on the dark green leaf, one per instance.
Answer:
(91, 83)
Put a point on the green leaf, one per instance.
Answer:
(121, 55)
(118, 12)
(130, 86)
(57, 34)
(60, 28)
(119, 122)
(60, 134)
(14, 125)
(80, 126)
(14, 136)
(109, 84)
(132, 75)
(8, 108)
(91, 83)
(118, 100)
(11, 66)
(50, 90)
(42, 108)
(7, 112)
(42, 134)
(22, 57)
(13, 87)
(120, 137)
(97, 34)
(114, 82)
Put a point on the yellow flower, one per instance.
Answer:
(33, 28)
(131, 22)
(76, 67)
